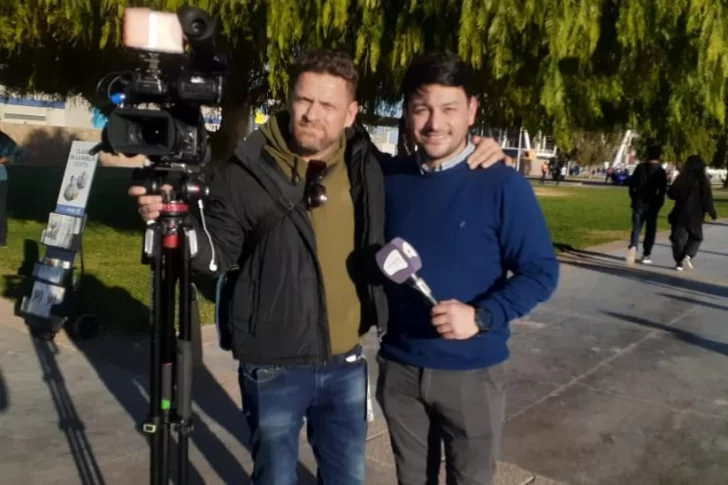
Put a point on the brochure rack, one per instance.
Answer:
(54, 302)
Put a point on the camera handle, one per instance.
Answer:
(169, 245)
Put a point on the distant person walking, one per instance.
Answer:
(3, 202)
(9, 153)
(693, 199)
(647, 187)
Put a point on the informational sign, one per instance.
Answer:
(53, 274)
(77, 179)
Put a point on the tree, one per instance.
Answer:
(567, 66)
(558, 66)
(65, 46)
(593, 149)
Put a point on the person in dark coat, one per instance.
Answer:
(9, 153)
(647, 187)
(693, 199)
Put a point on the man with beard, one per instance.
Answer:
(300, 209)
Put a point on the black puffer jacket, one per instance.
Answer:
(276, 302)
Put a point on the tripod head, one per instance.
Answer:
(187, 185)
(179, 187)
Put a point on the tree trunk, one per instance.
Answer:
(233, 128)
(238, 100)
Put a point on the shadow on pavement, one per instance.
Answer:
(69, 421)
(685, 336)
(109, 354)
(693, 301)
(650, 277)
(4, 397)
(702, 251)
(571, 250)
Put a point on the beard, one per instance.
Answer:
(448, 146)
(310, 140)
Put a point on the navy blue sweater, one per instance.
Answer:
(470, 227)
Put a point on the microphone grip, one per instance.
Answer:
(422, 287)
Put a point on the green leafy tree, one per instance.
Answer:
(559, 66)
(66, 46)
(568, 66)
(591, 149)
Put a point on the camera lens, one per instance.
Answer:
(154, 133)
(151, 132)
(198, 26)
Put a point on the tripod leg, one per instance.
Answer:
(152, 426)
(184, 364)
(195, 328)
(168, 356)
(184, 393)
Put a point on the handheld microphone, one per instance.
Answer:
(399, 262)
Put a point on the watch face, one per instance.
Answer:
(483, 319)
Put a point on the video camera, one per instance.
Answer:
(171, 132)
(157, 112)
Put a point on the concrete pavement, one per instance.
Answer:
(619, 379)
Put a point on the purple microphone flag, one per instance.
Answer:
(398, 260)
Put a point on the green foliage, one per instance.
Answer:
(560, 66)
(593, 149)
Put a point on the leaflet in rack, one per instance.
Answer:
(62, 231)
(62, 237)
(60, 258)
(43, 298)
(51, 274)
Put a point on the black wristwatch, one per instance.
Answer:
(483, 319)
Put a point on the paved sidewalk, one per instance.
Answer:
(620, 379)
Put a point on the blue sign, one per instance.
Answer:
(98, 120)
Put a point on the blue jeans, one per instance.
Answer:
(332, 397)
(644, 217)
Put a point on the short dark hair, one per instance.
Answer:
(326, 61)
(654, 152)
(695, 163)
(443, 68)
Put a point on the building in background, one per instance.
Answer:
(44, 127)
(41, 110)
(385, 138)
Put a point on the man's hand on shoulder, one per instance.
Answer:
(487, 152)
(455, 320)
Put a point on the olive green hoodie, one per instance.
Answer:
(333, 225)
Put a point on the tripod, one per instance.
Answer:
(169, 245)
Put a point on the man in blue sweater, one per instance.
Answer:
(441, 368)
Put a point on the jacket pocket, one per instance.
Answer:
(260, 374)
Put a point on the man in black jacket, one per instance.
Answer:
(300, 209)
(647, 187)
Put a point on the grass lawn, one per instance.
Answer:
(117, 285)
(587, 216)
